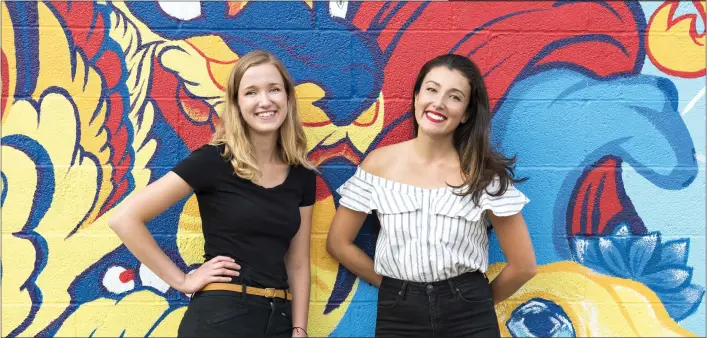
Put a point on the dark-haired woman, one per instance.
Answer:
(434, 204)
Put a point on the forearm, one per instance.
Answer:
(299, 280)
(510, 280)
(142, 245)
(357, 261)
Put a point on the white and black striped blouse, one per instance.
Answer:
(427, 235)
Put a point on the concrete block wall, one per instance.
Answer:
(602, 102)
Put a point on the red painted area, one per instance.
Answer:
(558, 34)
(364, 17)
(119, 134)
(316, 124)
(401, 132)
(322, 189)
(164, 86)
(127, 275)
(600, 63)
(398, 20)
(342, 149)
(120, 185)
(109, 65)
(86, 31)
(600, 189)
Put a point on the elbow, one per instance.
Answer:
(114, 222)
(117, 220)
(528, 271)
(523, 272)
(331, 247)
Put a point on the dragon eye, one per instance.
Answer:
(119, 279)
(182, 10)
(540, 318)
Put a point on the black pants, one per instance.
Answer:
(458, 307)
(233, 314)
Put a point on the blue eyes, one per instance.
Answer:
(540, 318)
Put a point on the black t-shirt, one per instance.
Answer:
(240, 219)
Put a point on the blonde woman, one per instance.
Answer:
(255, 189)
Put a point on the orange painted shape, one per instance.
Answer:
(235, 6)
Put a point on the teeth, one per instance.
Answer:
(265, 114)
(436, 116)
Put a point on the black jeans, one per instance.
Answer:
(233, 314)
(458, 307)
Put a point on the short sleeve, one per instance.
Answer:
(356, 192)
(509, 203)
(198, 169)
(309, 191)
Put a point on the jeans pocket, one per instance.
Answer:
(474, 295)
(285, 312)
(227, 315)
(280, 323)
(387, 298)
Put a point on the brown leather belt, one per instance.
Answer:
(267, 292)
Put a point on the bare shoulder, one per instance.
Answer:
(382, 158)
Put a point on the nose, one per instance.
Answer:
(264, 100)
(438, 103)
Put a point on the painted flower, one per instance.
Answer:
(645, 258)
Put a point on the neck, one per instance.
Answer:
(434, 148)
(265, 146)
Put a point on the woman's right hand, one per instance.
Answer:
(213, 271)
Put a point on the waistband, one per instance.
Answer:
(443, 286)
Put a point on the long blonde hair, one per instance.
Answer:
(232, 131)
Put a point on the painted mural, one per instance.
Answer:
(602, 102)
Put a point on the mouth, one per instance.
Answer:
(266, 115)
(435, 116)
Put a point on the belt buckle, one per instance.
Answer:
(269, 293)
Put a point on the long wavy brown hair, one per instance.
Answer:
(479, 161)
(232, 131)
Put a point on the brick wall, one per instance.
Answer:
(603, 103)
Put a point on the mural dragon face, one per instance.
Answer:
(103, 99)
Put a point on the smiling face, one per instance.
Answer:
(441, 103)
(262, 99)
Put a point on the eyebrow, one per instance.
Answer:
(269, 84)
(453, 89)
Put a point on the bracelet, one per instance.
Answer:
(297, 327)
